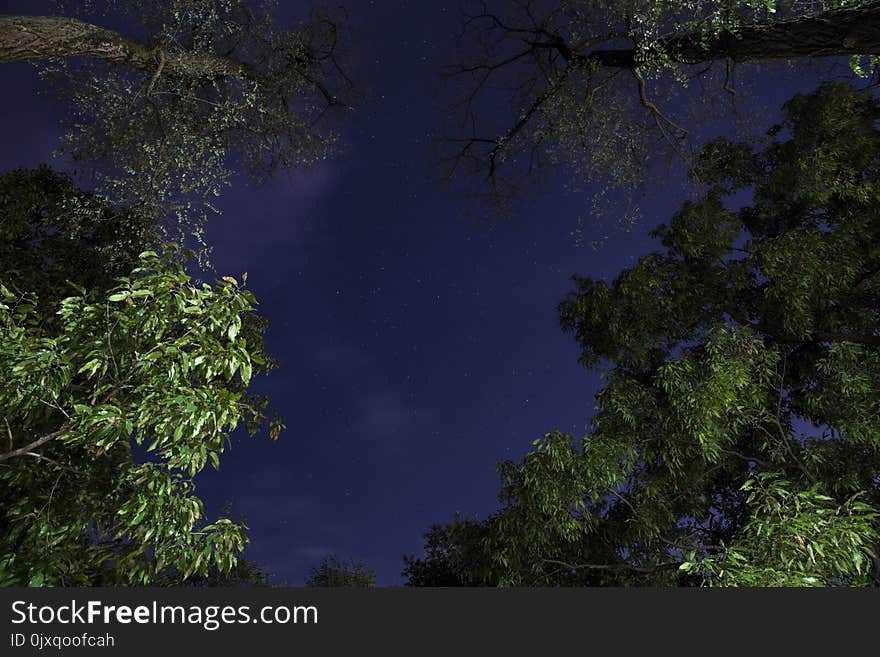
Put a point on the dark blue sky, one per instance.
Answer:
(418, 347)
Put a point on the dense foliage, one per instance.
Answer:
(120, 377)
(455, 555)
(108, 417)
(737, 439)
(54, 232)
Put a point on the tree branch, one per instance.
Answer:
(620, 566)
(24, 451)
(853, 30)
(24, 38)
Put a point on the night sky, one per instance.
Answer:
(418, 346)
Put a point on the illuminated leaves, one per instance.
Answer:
(142, 385)
(795, 538)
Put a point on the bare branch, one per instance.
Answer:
(23, 451)
(58, 465)
(158, 72)
(531, 52)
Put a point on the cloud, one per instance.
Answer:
(282, 220)
(384, 414)
(311, 552)
(308, 184)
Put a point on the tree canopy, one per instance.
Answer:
(120, 377)
(455, 555)
(736, 440)
(596, 85)
(159, 112)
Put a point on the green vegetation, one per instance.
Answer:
(737, 436)
(736, 440)
(120, 377)
(109, 418)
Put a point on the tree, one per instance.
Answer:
(454, 556)
(333, 572)
(158, 112)
(54, 232)
(590, 84)
(737, 440)
(120, 379)
(108, 415)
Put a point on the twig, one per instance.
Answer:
(643, 98)
(728, 75)
(657, 115)
(158, 71)
(803, 468)
(624, 500)
(54, 462)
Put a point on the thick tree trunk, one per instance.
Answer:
(836, 32)
(50, 37)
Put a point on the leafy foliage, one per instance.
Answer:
(454, 556)
(54, 233)
(333, 572)
(737, 439)
(243, 574)
(108, 418)
(198, 85)
(801, 538)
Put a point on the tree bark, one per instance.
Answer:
(831, 33)
(25, 38)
